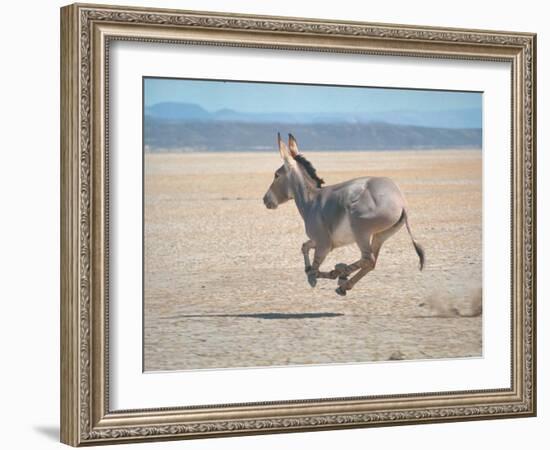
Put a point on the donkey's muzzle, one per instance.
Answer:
(268, 202)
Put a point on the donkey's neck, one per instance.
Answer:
(304, 190)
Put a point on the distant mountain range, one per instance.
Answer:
(452, 118)
(189, 127)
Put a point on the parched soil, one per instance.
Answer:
(224, 283)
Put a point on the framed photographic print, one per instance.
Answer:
(278, 224)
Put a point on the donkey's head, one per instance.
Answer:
(280, 190)
(294, 166)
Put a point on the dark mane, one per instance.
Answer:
(310, 170)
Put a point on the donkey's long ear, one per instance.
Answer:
(293, 146)
(285, 152)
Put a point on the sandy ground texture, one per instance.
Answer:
(224, 284)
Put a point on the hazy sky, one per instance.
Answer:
(292, 98)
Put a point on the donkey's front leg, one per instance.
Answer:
(318, 257)
(306, 247)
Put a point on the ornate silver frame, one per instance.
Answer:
(86, 31)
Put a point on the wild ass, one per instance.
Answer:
(367, 211)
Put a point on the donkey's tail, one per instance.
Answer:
(417, 246)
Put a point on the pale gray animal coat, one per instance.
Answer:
(366, 211)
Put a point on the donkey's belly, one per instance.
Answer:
(342, 233)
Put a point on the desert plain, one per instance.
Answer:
(224, 281)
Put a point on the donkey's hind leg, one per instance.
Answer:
(363, 265)
(348, 284)
(368, 257)
(383, 236)
(343, 270)
(370, 245)
(344, 284)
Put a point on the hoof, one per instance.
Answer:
(342, 280)
(340, 268)
(341, 291)
(312, 279)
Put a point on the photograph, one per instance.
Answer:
(284, 221)
(290, 224)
